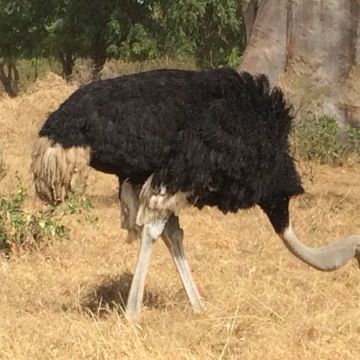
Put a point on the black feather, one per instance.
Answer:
(221, 135)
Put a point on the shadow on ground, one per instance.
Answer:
(112, 294)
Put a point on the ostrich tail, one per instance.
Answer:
(56, 170)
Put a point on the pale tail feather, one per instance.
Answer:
(56, 170)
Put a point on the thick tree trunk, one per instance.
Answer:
(249, 9)
(266, 51)
(321, 34)
(314, 42)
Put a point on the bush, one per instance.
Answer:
(21, 229)
(77, 204)
(321, 139)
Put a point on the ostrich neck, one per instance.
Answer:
(326, 258)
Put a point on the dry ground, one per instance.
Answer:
(64, 302)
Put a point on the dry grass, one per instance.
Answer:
(65, 301)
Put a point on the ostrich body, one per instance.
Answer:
(173, 138)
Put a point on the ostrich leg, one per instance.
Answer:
(173, 238)
(150, 233)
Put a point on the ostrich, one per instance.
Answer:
(173, 138)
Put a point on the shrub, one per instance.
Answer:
(321, 139)
(77, 203)
(21, 229)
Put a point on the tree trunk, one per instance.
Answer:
(314, 42)
(9, 78)
(249, 9)
(266, 50)
(99, 57)
(321, 34)
(67, 62)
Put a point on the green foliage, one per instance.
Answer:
(77, 204)
(101, 30)
(18, 31)
(139, 45)
(353, 140)
(321, 139)
(209, 31)
(21, 229)
(22, 35)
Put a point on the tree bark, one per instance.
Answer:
(321, 34)
(266, 50)
(9, 78)
(67, 62)
(99, 57)
(249, 9)
(316, 42)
